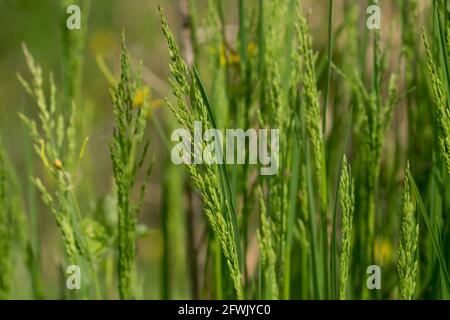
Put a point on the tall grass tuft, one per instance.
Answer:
(347, 203)
(441, 110)
(375, 118)
(311, 105)
(53, 152)
(409, 236)
(129, 149)
(55, 143)
(191, 105)
(306, 62)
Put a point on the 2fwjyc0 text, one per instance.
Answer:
(226, 309)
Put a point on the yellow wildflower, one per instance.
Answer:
(140, 96)
(383, 250)
(58, 164)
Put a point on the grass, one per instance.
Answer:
(347, 203)
(363, 162)
(56, 148)
(407, 262)
(219, 207)
(129, 149)
(5, 234)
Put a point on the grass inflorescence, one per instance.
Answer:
(408, 262)
(129, 150)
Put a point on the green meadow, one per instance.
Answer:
(92, 205)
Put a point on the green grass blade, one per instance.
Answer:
(224, 175)
(334, 251)
(292, 209)
(434, 234)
